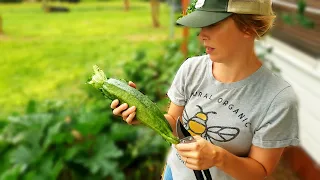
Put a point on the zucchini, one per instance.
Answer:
(147, 112)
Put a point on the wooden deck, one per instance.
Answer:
(283, 172)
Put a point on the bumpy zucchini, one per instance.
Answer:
(147, 112)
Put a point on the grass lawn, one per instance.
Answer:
(50, 55)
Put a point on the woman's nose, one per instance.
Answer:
(202, 35)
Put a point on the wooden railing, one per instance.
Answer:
(310, 3)
(307, 40)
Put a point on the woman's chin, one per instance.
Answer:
(214, 58)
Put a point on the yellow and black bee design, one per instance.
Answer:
(197, 125)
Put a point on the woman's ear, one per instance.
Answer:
(247, 33)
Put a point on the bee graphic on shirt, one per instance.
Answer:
(197, 125)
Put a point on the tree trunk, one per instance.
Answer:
(45, 6)
(1, 28)
(155, 8)
(185, 33)
(126, 5)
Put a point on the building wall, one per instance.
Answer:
(303, 73)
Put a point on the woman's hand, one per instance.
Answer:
(127, 114)
(201, 154)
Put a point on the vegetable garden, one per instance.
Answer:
(55, 126)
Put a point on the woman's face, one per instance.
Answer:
(223, 40)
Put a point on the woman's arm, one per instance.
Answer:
(202, 155)
(174, 112)
(259, 164)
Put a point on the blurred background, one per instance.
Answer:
(55, 126)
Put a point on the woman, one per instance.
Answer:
(241, 115)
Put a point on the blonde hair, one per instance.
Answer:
(256, 25)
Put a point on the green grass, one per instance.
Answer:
(50, 55)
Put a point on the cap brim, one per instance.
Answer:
(198, 18)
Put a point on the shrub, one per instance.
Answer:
(10, 1)
(87, 142)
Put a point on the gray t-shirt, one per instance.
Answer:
(259, 110)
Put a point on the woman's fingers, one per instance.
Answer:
(189, 154)
(128, 114)
(191, 160)
(129, 111)
(132, 84)
(130, 119)
(192, 166)
(114, 104)
(117, 111)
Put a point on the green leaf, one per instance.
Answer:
(54, 107)
(22, 155)
(46, 168)
(103, 158)
(306, 22)
(118, 175)
(57, 168)
(13, 173)
(287, 18)
(191, 7)
(73, 152)
(123, 132)
(139, 55)
(92, 122)
(49, 167)
(54, 132)
(34, 175)
(27, 123)
(31, 107)
(301, 6)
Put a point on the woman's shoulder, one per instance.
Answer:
(275, 82)
(195, 61)
(275, 79)
(199, 58)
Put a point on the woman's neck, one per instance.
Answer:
(236, 69)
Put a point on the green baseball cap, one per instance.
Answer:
(208, 12)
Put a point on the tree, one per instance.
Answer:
(126, 5)
(49, 8)
(155, 9)
(185, 33)
(1, 27)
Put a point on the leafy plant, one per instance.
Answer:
(85, 142)
(192, 6)
(154, 76)
(298, 18)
